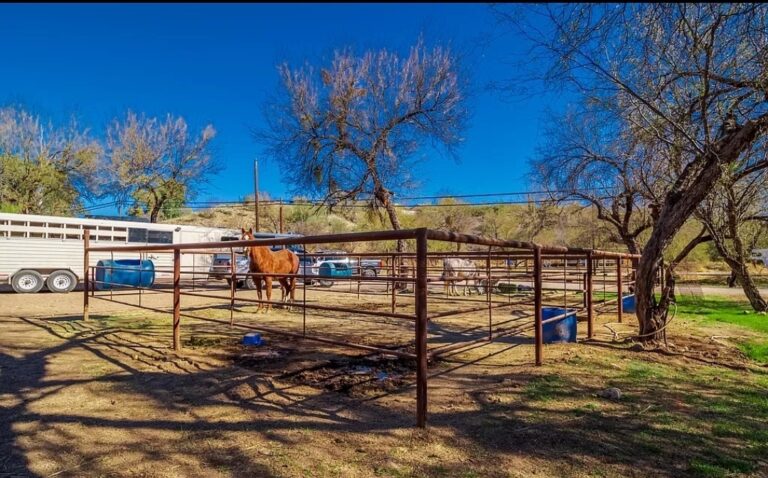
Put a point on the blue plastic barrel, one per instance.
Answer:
(561, 330)
(329, 269)
(628, 304)
(124, 273)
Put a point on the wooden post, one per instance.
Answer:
(176, 299)
(588, 298)
(537, 313)
(421, 328)
(86, 272)
(620, 290)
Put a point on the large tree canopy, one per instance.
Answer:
(351, 129)
(158, 164)
(691, 81)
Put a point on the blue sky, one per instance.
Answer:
(216, 64)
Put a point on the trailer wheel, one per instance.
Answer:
(27, 282)
(61, 281)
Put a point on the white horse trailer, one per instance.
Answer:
(37, 251)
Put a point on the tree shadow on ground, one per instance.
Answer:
(200, 407)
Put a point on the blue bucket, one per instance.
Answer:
(628, 304)
(561, 330)
(252, 338)
(124, 273)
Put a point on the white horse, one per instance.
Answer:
(460, 270)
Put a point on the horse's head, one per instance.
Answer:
(246, 236)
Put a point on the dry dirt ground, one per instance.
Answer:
(109, 397)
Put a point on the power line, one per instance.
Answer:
(307, 202)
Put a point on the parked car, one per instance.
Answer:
(343, 265)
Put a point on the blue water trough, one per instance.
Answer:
(628, 304)
(124, 273)
(560, 330)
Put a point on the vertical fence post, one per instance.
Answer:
(421, 328)
(141, 268)
(176, 299)
(395, 270)
(619, 290)
(588, 298)
(304, 298)
(488, 287)
(233, 286)
(635, 262)
(537, 317)
(86, 271)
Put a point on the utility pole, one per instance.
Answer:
(256, 194)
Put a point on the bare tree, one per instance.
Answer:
(733, 216)
(692, 82)
(587, 159)
(351, 130)
(156, 164)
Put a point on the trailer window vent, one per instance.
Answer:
(73, 236)
(18, 234)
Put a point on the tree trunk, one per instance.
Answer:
(744, 278)
(154, 213)
(692, 186)
(631, 243)
(383, 195)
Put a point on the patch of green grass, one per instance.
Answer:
(545, 387)
(720, 309)
(756, 350)
(740, 313)
(638, 370)
(719, 466)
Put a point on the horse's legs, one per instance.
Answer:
(268, 286)
(283, 289)
(257, 282)
(293, 292)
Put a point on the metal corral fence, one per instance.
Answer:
(411, 296)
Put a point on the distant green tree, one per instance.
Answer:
(45, 168)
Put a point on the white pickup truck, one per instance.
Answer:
(759, 256)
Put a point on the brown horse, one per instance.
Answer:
(263, 260)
